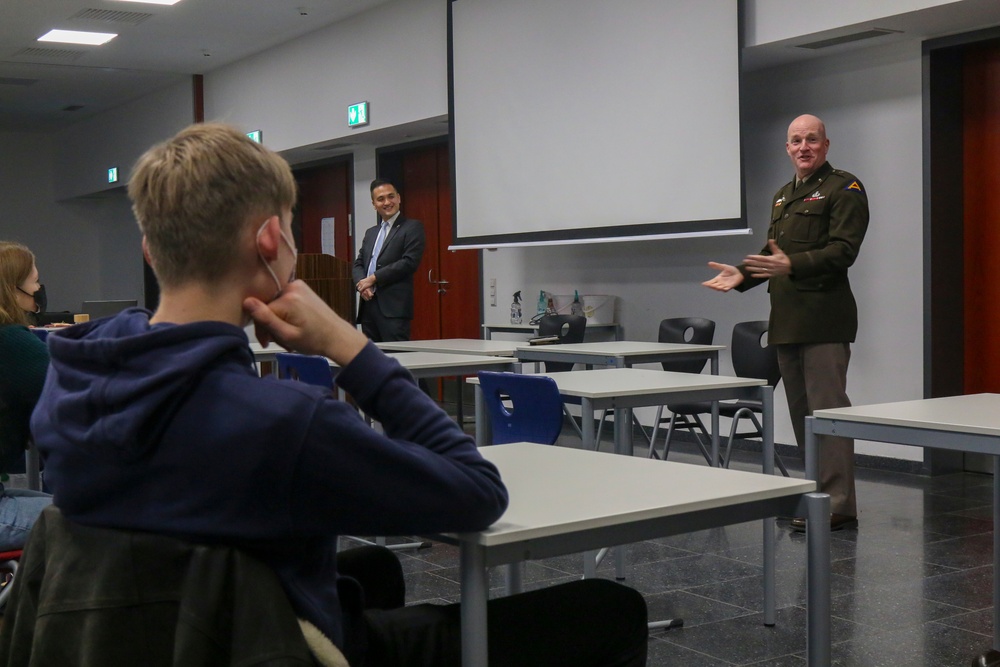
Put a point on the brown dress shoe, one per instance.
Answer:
(988, 658)
(837, 522)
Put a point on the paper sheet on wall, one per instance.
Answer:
(329, 238)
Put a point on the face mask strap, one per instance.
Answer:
(295, 256)
(39, 302)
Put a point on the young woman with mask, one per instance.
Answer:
(24, 361)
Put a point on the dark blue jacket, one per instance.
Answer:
(168, 429)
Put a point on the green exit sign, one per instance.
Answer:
(254, 136)
(113, 175)
(357, 114)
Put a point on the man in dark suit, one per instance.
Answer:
(386, 284)
(818, 221)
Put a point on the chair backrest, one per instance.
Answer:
(569, 328)
(535, 414)
(695, 330)
(143, 595)
(305, 368)
(752, 357)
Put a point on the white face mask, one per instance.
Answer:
(295, 256)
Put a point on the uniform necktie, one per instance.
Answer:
(378, 247)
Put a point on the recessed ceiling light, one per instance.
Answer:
(78, 37)
(153, 2)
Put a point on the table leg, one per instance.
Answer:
(812, 456)
(475, 591)
(515, 578)
(767, 422)
(33, 468)
(715, 434)
(714, 359)
(587, 427)
(587, 424)
(770, 605)
(482, 432)
(623, 446)
(996, 552)
(818, 579)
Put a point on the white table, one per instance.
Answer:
(423, 365)
(265, 354)
(443, 364)
(622, 389)
(624, 354)
(493, 348)
(621, 353)
(960, 423)
(604, 499)
(489, 329)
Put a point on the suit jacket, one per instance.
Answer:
(401, 253)
(820, 226)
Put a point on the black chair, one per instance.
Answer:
(569, 329)
(752, 358)
(694, 330)
(535, 411)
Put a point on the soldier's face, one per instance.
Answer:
(807, 146)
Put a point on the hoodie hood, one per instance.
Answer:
(117, 382)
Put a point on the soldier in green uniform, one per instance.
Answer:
(818, 221)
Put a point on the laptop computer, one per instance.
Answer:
(99, 309)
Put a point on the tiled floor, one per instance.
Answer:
(911, 586)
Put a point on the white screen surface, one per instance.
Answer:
(591, 119)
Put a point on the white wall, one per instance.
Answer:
(394, 57)
(85, 249)
(116, 138)
(871, 102)
(776, 20)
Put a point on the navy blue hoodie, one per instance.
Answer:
(167, 428)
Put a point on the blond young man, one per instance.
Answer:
(162, 425)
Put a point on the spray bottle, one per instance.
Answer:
(576, 308)
(515, 309)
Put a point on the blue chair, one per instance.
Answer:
(305, 368)
(536, 408)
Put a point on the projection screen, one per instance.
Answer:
(589, 120)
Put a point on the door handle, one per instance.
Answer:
(430, 279)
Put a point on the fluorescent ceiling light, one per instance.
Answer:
(153, 2)
(78, 37)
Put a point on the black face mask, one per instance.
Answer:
(41, 301)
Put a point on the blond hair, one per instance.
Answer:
(16, 262)
(195, 194)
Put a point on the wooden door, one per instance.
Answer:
(981, 139)
(446, 285)
(324, 192)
